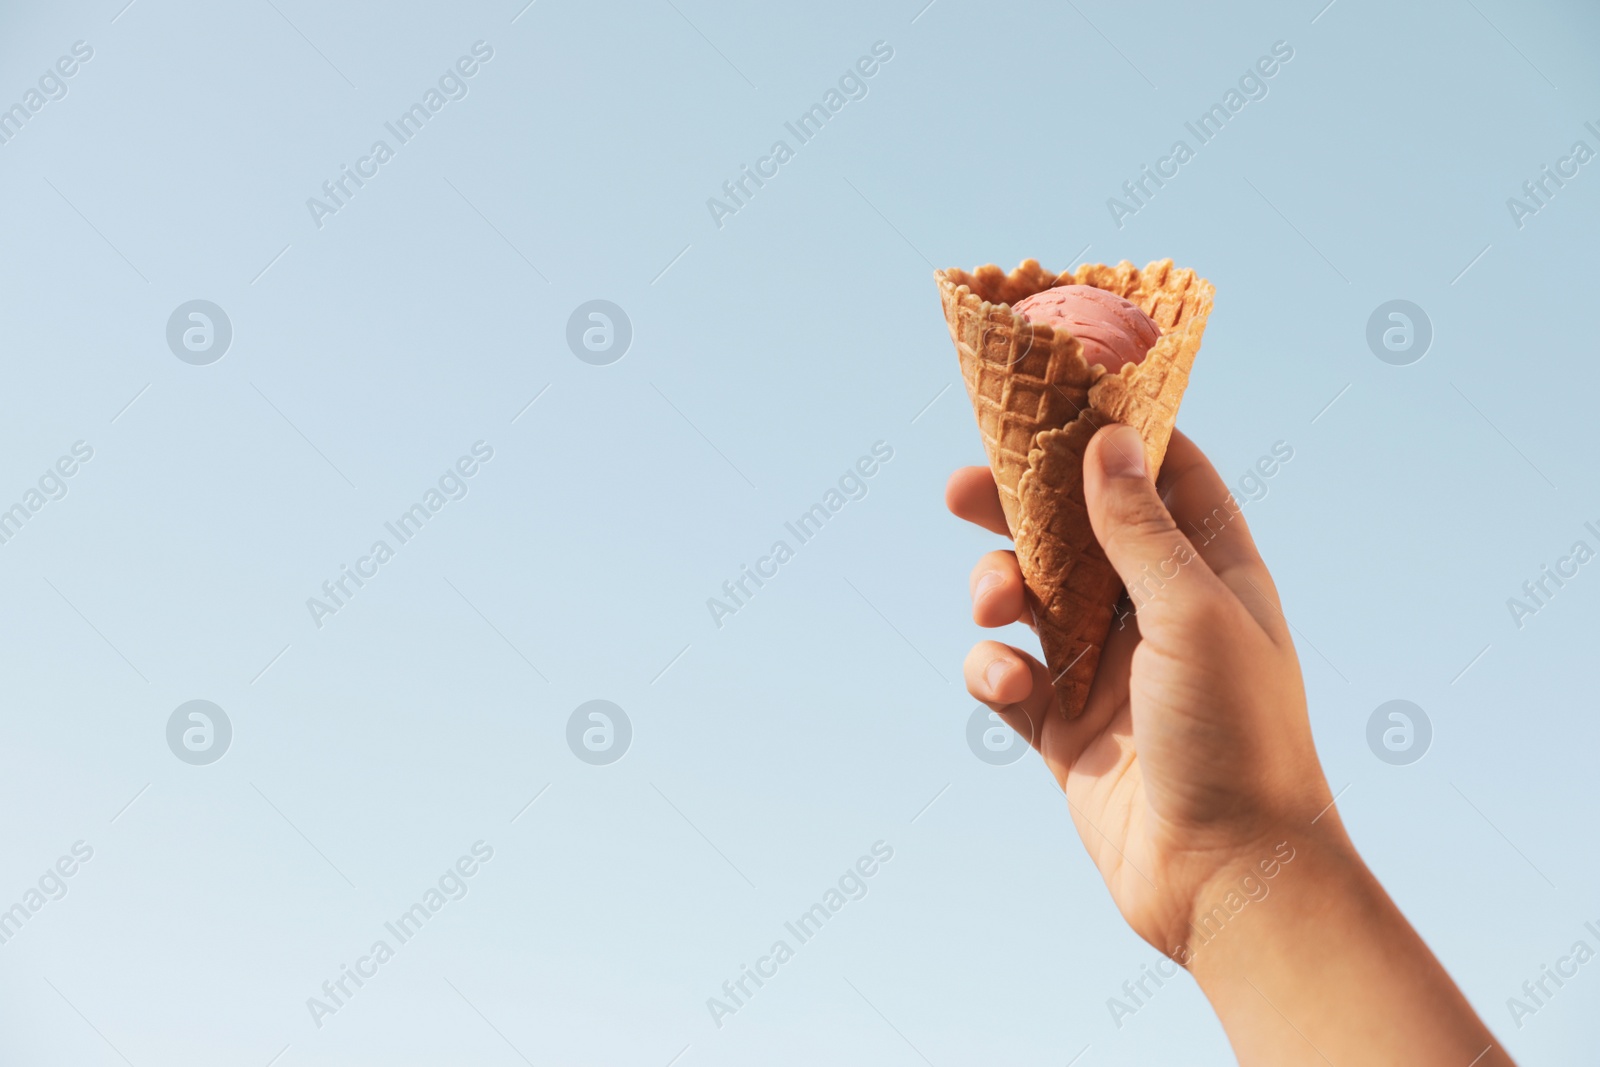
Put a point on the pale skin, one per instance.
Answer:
(1192, 773)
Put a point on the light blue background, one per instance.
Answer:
(768, 355)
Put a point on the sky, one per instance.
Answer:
(543, 349)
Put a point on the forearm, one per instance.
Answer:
(1325, 969)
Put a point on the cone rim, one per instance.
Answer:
(1044, 333)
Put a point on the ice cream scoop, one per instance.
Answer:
(1111, 331)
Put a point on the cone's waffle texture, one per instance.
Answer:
(1038, 403)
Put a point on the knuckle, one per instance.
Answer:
(1141, 517)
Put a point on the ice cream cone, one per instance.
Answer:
(1038, 402)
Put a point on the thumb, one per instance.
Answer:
(1164, 575)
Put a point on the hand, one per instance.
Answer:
(1193, 756)
(1192, 778)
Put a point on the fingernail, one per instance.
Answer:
(995, 673)
(1122, 454)
(985, 584)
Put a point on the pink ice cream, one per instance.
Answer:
(1111, 331)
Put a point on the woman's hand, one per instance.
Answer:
(1194, 782)
(1193, 756)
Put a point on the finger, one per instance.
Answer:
(1168, 582)
(1014, 685)
(970, 494)
(1001, 675)
(1207, 511)
(997, 593)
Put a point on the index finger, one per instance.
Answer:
(971, 494)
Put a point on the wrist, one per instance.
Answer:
(1279, 886)
(1282, 888)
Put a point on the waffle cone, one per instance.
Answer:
(1038, 403)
